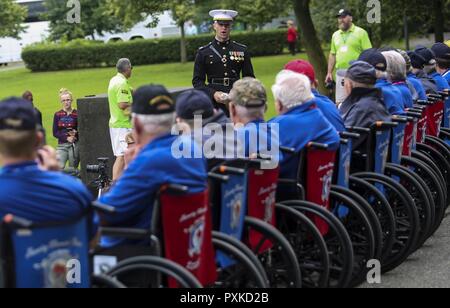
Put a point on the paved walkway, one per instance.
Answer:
(427, 268)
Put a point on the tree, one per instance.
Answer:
(132, 12)
(11, 17)
(310, 39)
(94, 19)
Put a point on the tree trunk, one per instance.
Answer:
(438, 8)
(183, 49)
(310, 41)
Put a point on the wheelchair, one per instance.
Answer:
(311, 194)
(243, 205)
(56, 255)
(181, 231)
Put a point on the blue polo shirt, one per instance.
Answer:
(41, 196)
(406, 97)
(329, 110)
(392, 97)
(134, 194)
(441, 82)
(299, 126)
(418, 86)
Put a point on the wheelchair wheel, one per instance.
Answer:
(279, 261)
(383, 210)
(428, 161)
(243, 248)
(156, 268)
(309, 246)
(243, 274)
(429, 177)
(406, 215)
(439, 159)
(106, 282)
(421, 196)
(431, 140)
(361, 234)
(371, 215)
(338, 242)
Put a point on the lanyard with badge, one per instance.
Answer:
(345, 37)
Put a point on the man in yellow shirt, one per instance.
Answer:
(120, 97)
(346, 46)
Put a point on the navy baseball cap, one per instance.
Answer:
(193, 103)
(344, 13)
(426, 53)
(17, 114)
(375, 58)
(442, 51)
(362, 72)
(152, 100)
(417, 61)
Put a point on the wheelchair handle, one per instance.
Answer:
(287, 150)
(232, 170)
(433, 99)
(359, 130)
(444, 94)
(435, 96)
(400, 119)
(384, 125)
(103, 208)
(350, 135)
(17, 221)
(135, 234)
(318, 146)
(423, 102)
(415, 115)
(219, 177)
(175, 188)
(344, 141)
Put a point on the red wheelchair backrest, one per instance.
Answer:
(435, 115)
(262, 189)
(187, 234)
(319, 177)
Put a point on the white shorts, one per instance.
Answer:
(118, 141)
(340, 89)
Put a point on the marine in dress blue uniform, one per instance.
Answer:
(222, 62)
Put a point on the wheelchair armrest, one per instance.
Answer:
(423, 102)
(318, 146)
(349, 135)
(359, 130)
(103, 208)
(219, 177)
(128, 233)
(17, 221)
(435, 96)
(300, 190)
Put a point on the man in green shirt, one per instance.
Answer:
(346, 46)
(120, 97)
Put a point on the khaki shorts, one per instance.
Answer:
(118, 140)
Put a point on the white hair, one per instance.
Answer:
(396, 65)
(292, 89)
(156, 124)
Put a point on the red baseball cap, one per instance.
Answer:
(302, 67)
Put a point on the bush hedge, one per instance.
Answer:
(89, 54)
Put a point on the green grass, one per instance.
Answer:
(45, 86)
